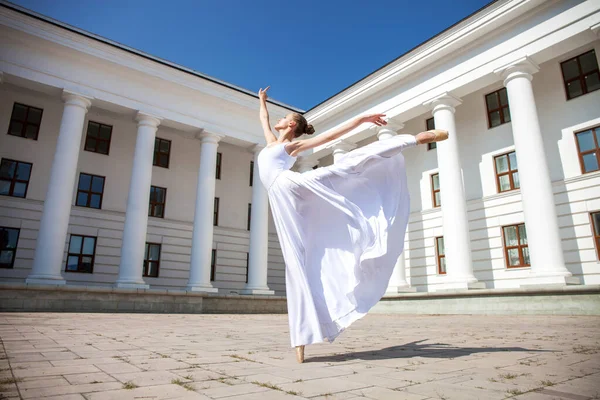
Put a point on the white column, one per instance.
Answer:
(259, 236)
(202, 236)
(136, 214)
(340, 148)
(545, 248)
(50, 247)
(398, 283)
(305, 164)
(454, 206)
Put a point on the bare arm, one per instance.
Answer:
(306, 144)
(264, 116)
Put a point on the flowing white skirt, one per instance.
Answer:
(341, 230)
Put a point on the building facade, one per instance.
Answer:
(120, 169)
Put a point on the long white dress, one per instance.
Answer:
(341, 230)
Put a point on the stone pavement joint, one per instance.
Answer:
(90, 356)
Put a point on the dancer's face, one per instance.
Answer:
(284, 123)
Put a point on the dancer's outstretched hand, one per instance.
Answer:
(377, 119)
(262, 94)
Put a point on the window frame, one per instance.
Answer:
(216, 212)
(432, 145)
(14, 180)
(580, 77)
(247, 265)
(97, 139)
(219, 162)
(80, 254)
(249, 216)
(89, 192)
(251, 173)
(519, 247)
(595, 237)
(433, 191)
(152, 204)
(439, 256)
(157, 152)
(595, 133)
(509, 173)
(500, 108)
(146, 266)
(14, 251)
(25, 122)
(213, 265)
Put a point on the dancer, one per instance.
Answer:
(341, 227)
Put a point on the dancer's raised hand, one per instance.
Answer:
(377, 119)
(262, 94)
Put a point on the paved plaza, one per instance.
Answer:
(71, 356)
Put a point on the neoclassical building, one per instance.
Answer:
(122, 170)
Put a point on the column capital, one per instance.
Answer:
(523, 67)
(76, 99)
(444, 101)
(145, 119)
(209, 137)
(596, 29)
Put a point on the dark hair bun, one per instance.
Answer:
(309, 129)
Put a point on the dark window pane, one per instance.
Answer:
(513, 160)
(85, 181)
(574, 89)
(590, 162)
(155, 159)
(504, 183)
(570, 69)
(7, 169)
(513, 257)
(4, 187)
(596, 222)
(592, 82)
(160, 196)
(526, 256)
(86, 264)
(19, 112)
(165, 146)
(164, 160)
(95, 201)
(23, 171)
(72, 263)
(15, 128)
(75, 244)
(19, 189)
(516, 180)
(431, 146)
(588, 62)
(81, 199)
(430, 124)
(502, 164)
(97, 184)
(158, 211)
(34, 116)
(90, 144)
(506, 112)
(11, 240)
(492, 101)
(153, 269)
(154, 252)
(503, 97)
(105, 131)
(443, 265)
(31, 131)
(435, 179)
(440, 246)
(93, 129)
(6, 257)
(438, 199)
(522, 234)
(510, 236)
(88, 245)
(102, 147)
(586, 141)
(495, 119)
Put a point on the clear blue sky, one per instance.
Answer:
(306, 50)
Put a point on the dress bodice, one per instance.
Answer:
(273, 160)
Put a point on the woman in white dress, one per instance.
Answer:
(341, 227)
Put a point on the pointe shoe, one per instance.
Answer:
(300, 354)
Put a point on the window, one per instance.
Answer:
(581, 75)
(213, 265)
(162, 152)
(588, 146)
(82, 250)
(507, 174)
(441, 255)
(429, 125)
(25, 121)
(98, 137)
(498, 111)
(219, 157)
(249, 214)
(216, 212)
(158, 198)
(151, 260)
(435, 190)
(515, 246)
(247, 265)
(9, 237)
(251, 172)
(14, 177)
(596, 230)
(90, 190)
